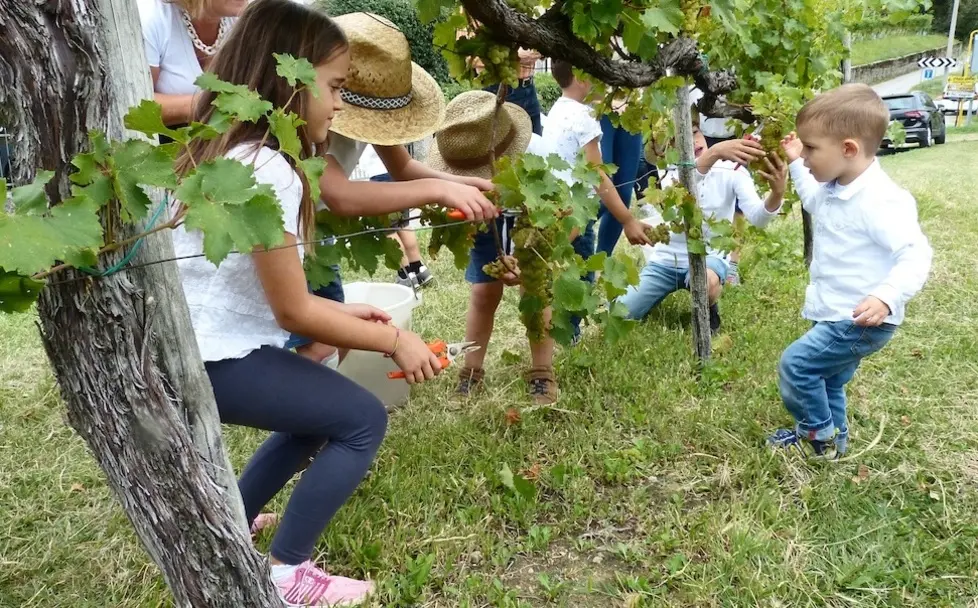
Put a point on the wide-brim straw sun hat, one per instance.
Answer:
(463, 145)
(388, 100)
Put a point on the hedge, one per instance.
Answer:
(881, 27)
(403, 14)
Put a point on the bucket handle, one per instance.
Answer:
(414, 288)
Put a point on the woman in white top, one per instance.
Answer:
(243, 310)
(181, 37)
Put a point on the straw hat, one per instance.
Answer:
(463, 144)
(387, 99)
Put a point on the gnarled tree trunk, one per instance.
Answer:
(122, 348)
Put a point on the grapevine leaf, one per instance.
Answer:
(616, 323)
(17, 292)
(285, 127)
(516, 483)
(256, 222)
(295, 70)
(665, 18)
(596, 262)
(572, 293)
(235, 100)
(618, 276)
(82, 258)
(532, 162)
(32, 199)
(561, 328)
(321, 269)
(557, 163)
(606, 12)
(429, 10)
(147, 118)
(633, 31)
(139, 163)
(221, 180)
(313, 168)
(42, 240)
(695, 246)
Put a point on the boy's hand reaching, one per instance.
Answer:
(510, 277)
(792, 146)
(776, 175)
(635, 233)
(871, 312)
(740, 151)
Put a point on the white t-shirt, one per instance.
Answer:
(228, 308)
(347, 152)
(570, 126)
(169, 47)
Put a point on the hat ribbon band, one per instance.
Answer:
(376, 103)
(485, 159)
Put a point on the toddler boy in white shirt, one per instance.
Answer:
(870, 257)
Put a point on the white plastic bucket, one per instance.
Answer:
(369, 369)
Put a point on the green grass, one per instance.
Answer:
(653, 487)
(878, 49)
(933, 87)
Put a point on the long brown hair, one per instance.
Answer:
(267, 27)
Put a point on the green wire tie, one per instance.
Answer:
(95, 272)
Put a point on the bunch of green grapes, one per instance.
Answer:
(502, 63)
(496, 269)
(658, 234)
(533, 252)
(527, 7)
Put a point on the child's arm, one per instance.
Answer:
(634, 230)
(403, 168)
(899, 233)
(740, 151)
(355, 198)
(806, 185)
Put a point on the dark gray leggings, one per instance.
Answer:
(306, 406)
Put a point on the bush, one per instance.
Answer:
(547, 90)
(403, 14)
(967, 18)
(881, 27)
(453, 89)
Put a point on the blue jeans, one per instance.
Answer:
(525, 96)
(623, 149)
(815, 369)
(656, 281)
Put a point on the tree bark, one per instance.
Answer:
(698, 285)
(122, 348)
(551, 34)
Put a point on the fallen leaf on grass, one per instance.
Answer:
(916, 353)
(862, 474)
(533, 473)
(76, 487)
(905, 420)
(513, 416)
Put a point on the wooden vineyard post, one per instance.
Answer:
(697, 262)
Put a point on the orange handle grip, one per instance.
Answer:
(455, 214)
(399, 374)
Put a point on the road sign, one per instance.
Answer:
(936, 62)
(928, 73)
(960, 87)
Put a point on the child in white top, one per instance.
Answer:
(869, 258)
(572, 130)
(721, 185)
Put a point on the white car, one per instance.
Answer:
(950, 106)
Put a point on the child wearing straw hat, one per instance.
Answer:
(388, 101)
(462, 148)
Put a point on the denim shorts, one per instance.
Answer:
(331, 291)
(656, 281)
(484, 249)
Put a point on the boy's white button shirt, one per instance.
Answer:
(866, 242)
(720, 190)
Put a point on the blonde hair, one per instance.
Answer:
(852, 111)
(194, 8)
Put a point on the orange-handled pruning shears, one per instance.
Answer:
(755, 135)
(446, 354)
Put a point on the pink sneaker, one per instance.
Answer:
(264, 520)
(309, 586)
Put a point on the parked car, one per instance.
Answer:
(920, 116)
(950, 106)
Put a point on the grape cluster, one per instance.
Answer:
(534, 250)
(502, 62)
(496, 269)
(658, 234)
(527, 7)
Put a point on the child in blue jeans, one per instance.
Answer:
(721, 185)
(870, 258)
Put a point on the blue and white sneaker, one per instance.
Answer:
(788, 439)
